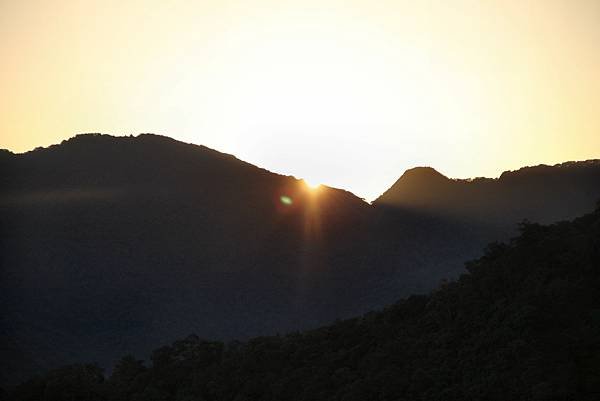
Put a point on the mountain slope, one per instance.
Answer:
(107, 238)
(524, 324)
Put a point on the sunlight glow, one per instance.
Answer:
(310, 185)
(347, 92)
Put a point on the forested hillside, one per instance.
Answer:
(522, 324)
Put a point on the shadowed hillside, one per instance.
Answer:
(108, 238)
(523, 324)
(112, 245)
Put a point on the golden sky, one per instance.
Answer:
(348, 93)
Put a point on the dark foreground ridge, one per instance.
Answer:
(523, 324)
(111, 245)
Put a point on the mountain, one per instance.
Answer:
(522, 324)
(110, 245)
(542, 193)
(106, 238)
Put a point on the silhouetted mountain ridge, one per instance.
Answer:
(110, 245)
(539, 193)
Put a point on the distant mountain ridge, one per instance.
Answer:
(540, 193)
(111, 245)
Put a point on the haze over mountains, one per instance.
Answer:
(112, 245)
(522, 324)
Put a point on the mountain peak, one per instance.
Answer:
(417, 180)
(423, 173)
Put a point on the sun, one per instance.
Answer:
(311, 185)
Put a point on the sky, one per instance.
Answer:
(345, 93)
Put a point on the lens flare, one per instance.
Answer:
(286, 200)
